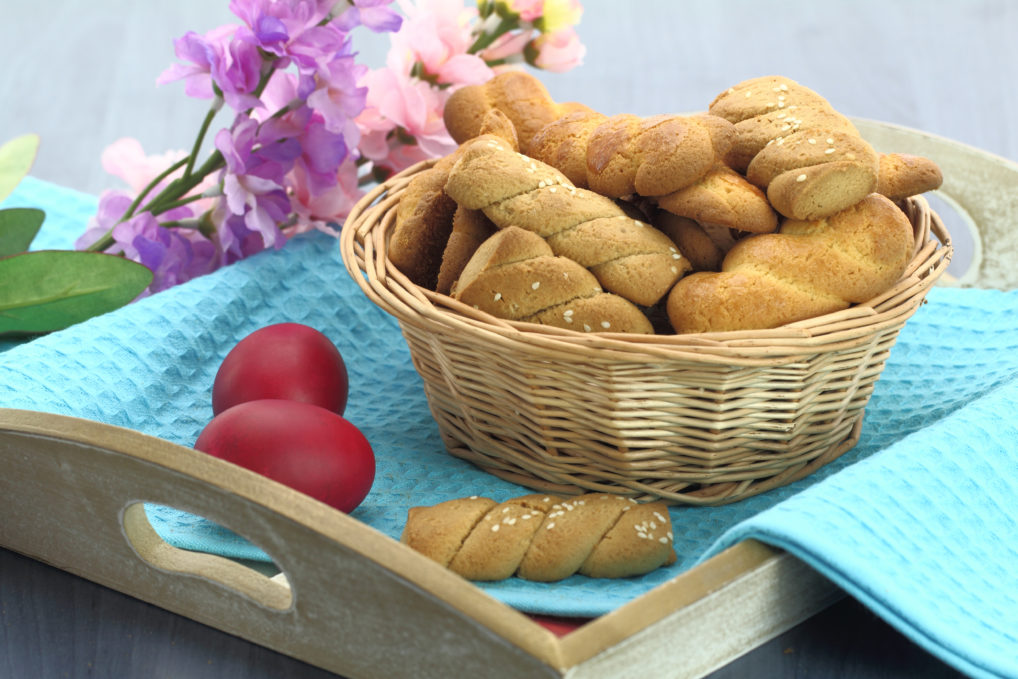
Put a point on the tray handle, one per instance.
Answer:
(270, 592)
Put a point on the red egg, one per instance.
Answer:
(306, 447)
(286, 361)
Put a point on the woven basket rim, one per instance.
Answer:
(363, 250)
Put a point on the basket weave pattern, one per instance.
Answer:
(690, 419)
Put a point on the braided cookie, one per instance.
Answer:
(625, 154)
(517, 94)
(629, 257)
(790, 141)
(514, 275)
(542, 537)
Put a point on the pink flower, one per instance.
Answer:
(557, 52)
(437, 35)
(399, 105)
(529, 10)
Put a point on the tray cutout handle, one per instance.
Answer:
(272, 593)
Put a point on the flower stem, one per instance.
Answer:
(202, 131)
(166, 207)
(151, 185)
(485, 39)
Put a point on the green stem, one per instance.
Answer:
(151, 185)
(202, 131)
(166, 207)
(485, 39)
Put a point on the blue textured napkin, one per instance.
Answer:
(919, 520)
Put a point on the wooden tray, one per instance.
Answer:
(354, 601)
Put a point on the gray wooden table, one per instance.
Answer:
(82, 74)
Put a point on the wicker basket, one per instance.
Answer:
(698, 419)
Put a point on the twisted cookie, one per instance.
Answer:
(629, 257)
(807, 269)
(626, 154)
(517, 94)
(813, 164)
(542, 537)
(514, 275)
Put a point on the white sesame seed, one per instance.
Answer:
(550, 526)
(812, 141)
(498, 296)
(526, 516)
(830, 150)
(663, 541)
(675, 269)
(605, 324)
(552, 189)
(659, 517)
(586, 327)
(535, 285)
(830, 140)
(494, 529)
(541, 184)
(801, 178)
(676, 256)
(568, 312)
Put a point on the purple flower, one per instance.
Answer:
(201, 54)
(338, 98)
(323, 152)
(218, 58)
(174, 255)
(372, 14)
(257, 161)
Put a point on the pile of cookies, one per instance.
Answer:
(766, 209)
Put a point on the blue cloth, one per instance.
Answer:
(919, 521)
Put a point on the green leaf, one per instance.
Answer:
(18, 226)
(16, 158)
(52, 289)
